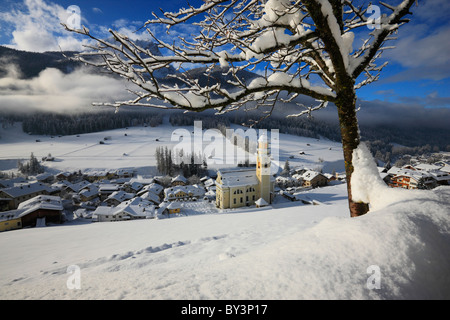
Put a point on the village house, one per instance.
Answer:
(174, 207)
(9, 221)
(124, 173)
(151, 197)
(10, 198)
(244, 187)
(118, 197)
(129, 210)
(408, 178)
(314, 179)
(45, 177)
(106, 189)
(132, 186)
(98, 175)
(41, 210)
(76, 187)
(89, 193)
(154, 188)
(180, 192)
(179, 181)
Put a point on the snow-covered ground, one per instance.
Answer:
(399, 250)
(289, 252)
(135, 148)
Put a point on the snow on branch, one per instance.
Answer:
(299, 47)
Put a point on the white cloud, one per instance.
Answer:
(55, 91)
(37, 27)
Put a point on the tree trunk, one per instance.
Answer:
(346, 104)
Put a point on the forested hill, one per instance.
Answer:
(32, 63)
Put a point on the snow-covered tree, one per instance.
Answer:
(299, 47)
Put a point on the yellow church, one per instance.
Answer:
(246, 187)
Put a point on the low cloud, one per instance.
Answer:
(57, 92)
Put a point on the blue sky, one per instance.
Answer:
(417, 74)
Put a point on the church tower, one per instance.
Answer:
(263, 169)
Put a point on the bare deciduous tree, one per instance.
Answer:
(301, 48)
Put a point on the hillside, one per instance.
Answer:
(32, 63)
(135, 147)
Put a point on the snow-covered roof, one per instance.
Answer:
(77, 187)
(150, 196)
(193, 190)
(120, 196)
(415, 174)
(40, 202)
(174, 205)
(89, 191)
(261, 202)
(440, 175)
(427, 167)
(309, 175)
(237, 178)
(108, 187)
(179, 178)
(8, 183)
(135, 207)
(25, 189)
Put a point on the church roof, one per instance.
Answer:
(237, 178)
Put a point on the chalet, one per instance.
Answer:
(45, 177)
(105, 190)
(151, 197)
(98, 175)
(180, 192)
(129, 210)
(132, 186)
(77, 187)
(118, 197)
(412, 179)
(314, 179)
(64, 176)
(32, 212)
(427, 167)
(174, 207)
(179, 181)
(89, 193)
(124, 173)
(441, 177)
(154, 188)
(243, 187)
(12, 197)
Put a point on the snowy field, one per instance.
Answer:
(135, 148)
(399, 250)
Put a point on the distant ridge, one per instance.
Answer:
(32, 63)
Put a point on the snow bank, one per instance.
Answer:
(368, 187)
